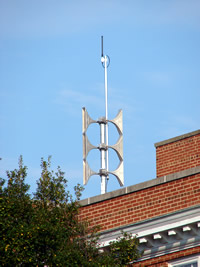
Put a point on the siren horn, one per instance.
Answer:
(117, 121)
(86, 119)
(118, 147)
(87, 146)
(87, 172)
(119, 173)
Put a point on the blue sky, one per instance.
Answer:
(50, 68)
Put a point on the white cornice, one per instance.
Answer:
(163, 235)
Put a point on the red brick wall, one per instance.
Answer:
(177, 156)
(174, 156)
(144, 204)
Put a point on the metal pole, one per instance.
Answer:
(104, 128)
(103, 158)
(106, 111)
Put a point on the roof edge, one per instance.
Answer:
(140, 186)
(177, 138)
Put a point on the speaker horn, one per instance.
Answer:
(119, 173)
(117, 121)
(87, 146)
(118, 147)
(87, 172)
(86, 120)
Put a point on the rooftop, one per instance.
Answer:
(140, 186)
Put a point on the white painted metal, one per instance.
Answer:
(103, 147)
(142, 240)
(186, 228)
(104, 132)
(157, 236)
(170, 225)
(106, 112)
(171, 232)
(103, 158)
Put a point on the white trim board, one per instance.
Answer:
(163, 235)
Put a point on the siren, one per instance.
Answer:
(87, 146)
(103, 146)
(119, 173)
(87, 172)
(118, 147)
(86, 119)
(117, 121)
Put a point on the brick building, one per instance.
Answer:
(163, 212)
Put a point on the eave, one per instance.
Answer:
(162, 235)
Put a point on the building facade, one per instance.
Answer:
(163, 212)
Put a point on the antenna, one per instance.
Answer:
(103, 146)
(101, 46)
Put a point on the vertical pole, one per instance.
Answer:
(106, 88)
(106, 111)
(104, 128)
(103, 159)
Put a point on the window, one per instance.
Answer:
(192, 261)
(192, 264)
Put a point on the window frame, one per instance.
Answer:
(185, 260)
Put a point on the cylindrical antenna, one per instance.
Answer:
(101, 46)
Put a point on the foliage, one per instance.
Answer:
(45, 230)
(124, 249)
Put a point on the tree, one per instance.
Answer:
(15, 217)
(44, 230)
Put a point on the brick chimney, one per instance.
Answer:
(178, 153)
